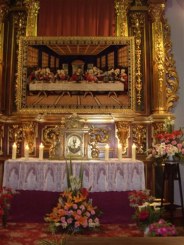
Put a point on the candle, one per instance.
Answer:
(133, 152)
(14, 151)
(41, 147)
(107, 152)
(26, 152)
(119, 152)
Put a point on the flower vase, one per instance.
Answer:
(170, 158)
(146, 231)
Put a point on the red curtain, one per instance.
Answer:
(76, 18)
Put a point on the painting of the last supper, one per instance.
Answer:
(71, 73)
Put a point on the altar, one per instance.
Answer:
(99, 175)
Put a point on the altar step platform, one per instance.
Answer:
(39, 184)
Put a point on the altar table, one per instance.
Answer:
(50, 175)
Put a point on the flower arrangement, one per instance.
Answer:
(74, 211)
(170, 144)
(138, 198)
(161, 228)
(146, 210)
(6, 195)
(146, 215)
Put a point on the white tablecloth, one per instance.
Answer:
(46, 175)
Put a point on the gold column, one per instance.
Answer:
(121, 8)
(156, 12)
(3, 11)
(32, 8)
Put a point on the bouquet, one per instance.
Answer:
(161, 228)
(147, 215)
(138, 198)
(74, 211)
(170, 144)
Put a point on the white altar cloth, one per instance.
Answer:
(100, 175)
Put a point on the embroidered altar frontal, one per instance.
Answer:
(101, 176)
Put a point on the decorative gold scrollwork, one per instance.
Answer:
(138, 22)
(1, 138)
(139, 133)
(51, 137)
(20, 24)
(97, 135)
(123, 133)
(157, 127)
(172, 80)
(15, 133)
(29, 135)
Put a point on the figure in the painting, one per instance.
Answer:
(90, 76)
(124, 79)
(61, 75)
(78, 75)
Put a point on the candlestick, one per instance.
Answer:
(133, 152)
(26, 152)
(106, 152)
(41, 147)
(14, 151)
(119, 152)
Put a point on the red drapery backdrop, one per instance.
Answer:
(76, 18)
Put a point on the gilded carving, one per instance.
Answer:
(156, 12)
(121, 7)
(20, 24)
(1, 138)
(52, 137)
(123, 133)
(138, 21)
(157, 127)
(74, 121)
(97, 135)
(15, 133)
(3, 12)
(172, 80)
(32, 8)
(139, 135)
(29, 135)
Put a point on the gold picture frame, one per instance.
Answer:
(108, 91)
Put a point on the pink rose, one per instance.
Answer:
(79, 211)
(74, 206)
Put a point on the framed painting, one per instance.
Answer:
(81, 74)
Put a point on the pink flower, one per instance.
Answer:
(79, 211)
(63, 219)
(92, 212)
(82, 207)
(69, 221)
(74, 206)
(88, 214)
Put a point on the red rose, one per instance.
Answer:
(143, 215)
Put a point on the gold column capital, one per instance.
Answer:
(121, 8)
(33, 7)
